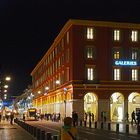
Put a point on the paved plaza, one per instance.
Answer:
(13, 132)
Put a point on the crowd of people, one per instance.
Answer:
(7, 117)
(55, 117)
(135, 117)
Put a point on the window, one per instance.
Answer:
(134, 74)
(67, 74)
(90, 73)
(89, 52)
(67, 37)
(90, 33)
(134, 54)
(116, 35)
(116, 55)
(67, 55)
(117, 74)
(134, 36)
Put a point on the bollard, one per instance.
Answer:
(85, 123)
(80, 122)
(31, 129)
(38, 134)
(28, 128)
(138, 129)
(48, 136)
(55, 137)
(127, 128)
(109, 126)
(102, 125)
(89, 124)
(95, 124)
(117, 127)
(42, 137)
(34, 131)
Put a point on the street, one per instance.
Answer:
(84, 133)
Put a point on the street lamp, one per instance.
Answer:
(4, 86)
(7, 78)
(65, 92)
(46, 90)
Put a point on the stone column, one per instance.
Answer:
(104, 106)
(41, 105)
(125, 109)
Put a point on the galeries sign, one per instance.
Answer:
(125, 63)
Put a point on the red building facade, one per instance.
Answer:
(92, 67)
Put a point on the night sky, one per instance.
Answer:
(28, 28)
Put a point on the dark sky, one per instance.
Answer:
(28, 28)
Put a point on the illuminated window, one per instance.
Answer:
(67, 37)
(117, 74)
(134, 74)
(134, 54)
(134, 36)
(116, 54)
(67, 74)
(90, 52)
(90, 74)
(90, 33)
(116, 35)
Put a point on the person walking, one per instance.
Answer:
(92, 117)
(68, 132)
(24, 117)
(133, 117)
(0, 117)
(11, 118)
(138, 117)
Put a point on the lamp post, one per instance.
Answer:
(65, 92)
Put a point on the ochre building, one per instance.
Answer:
(91, 67)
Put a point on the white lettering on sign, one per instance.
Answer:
(126, 63)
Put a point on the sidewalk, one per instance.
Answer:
(13, 132)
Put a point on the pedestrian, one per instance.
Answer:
(138, 117)
(127, 117)
(85, 117)
(92, 117)
(133, 117)
(11, 118)
(68, 132)
(58, 118)
(0, 117)
(75, 118)
(24, 117)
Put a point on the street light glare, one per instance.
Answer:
(5, 86)
(57, 82)
(8, 78)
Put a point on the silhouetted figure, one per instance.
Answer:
(127, 117)
(133, 117)
(24, 117)
(138, 117)
(11, 118)
(92, 117)
(75, 118)
(0, 117)
(85, 117)
(89, 117)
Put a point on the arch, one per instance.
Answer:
(133, 103)
(91, 105)
(116, 106)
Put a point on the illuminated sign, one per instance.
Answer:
(32, 110)
(126, 63)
